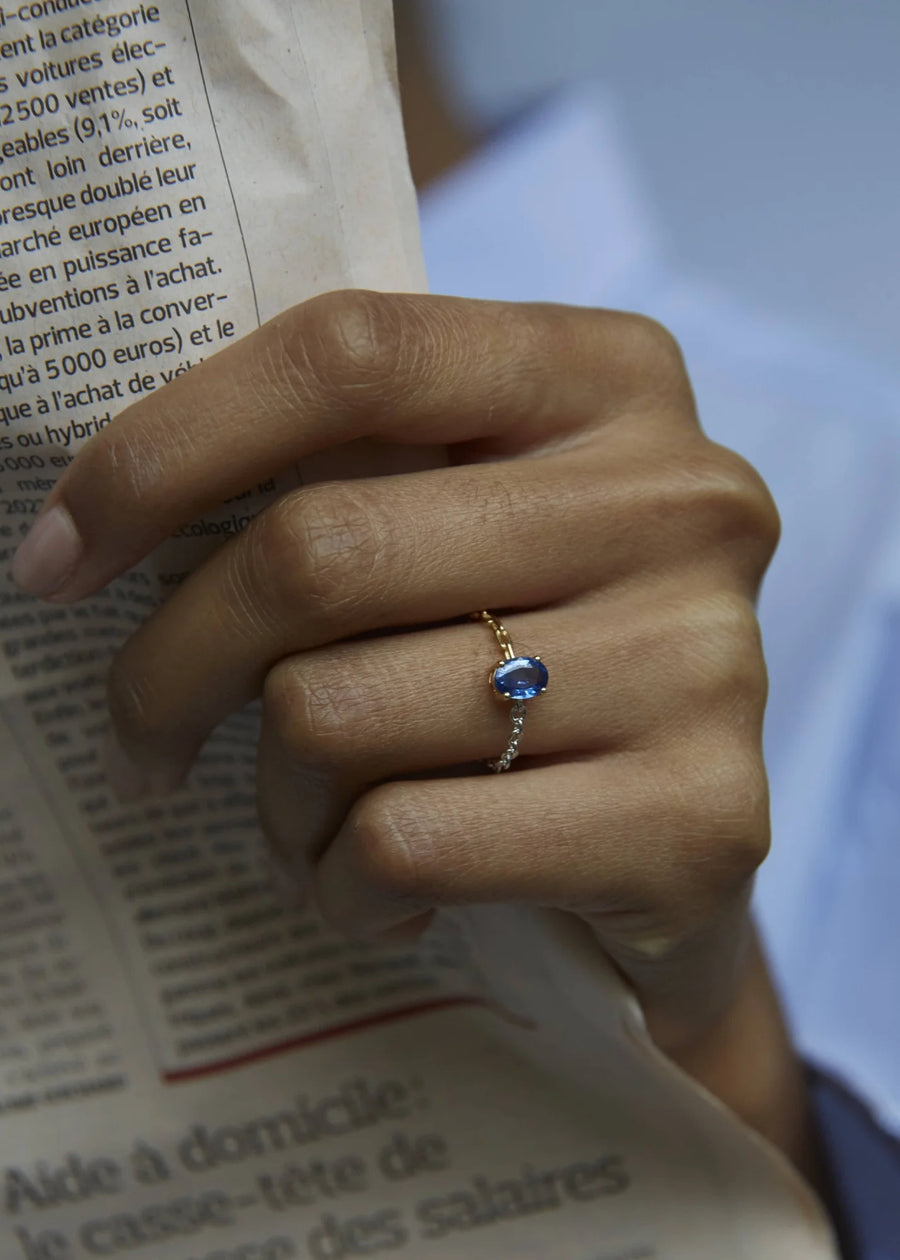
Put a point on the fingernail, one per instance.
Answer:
(131, 782)
(48, 555)
(289, 890)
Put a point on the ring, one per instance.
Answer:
(515, 678)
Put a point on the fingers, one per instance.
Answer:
(336, 560)
(340, 559)
(495, 378)
(375, 708)
(657, 853)
(636, 671)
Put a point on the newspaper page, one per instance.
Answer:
(189, 1070)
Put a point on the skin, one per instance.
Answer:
(745, 1058)
(582, 504)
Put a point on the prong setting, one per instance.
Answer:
(516, 679)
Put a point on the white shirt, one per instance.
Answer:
(551, 211)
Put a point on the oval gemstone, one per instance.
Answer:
(521, 678)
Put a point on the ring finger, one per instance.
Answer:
(623, 667)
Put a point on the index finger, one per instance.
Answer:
(403, 368)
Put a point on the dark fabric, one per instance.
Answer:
(863, 1164)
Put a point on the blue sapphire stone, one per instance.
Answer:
(522, 678)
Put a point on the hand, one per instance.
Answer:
(583, 505)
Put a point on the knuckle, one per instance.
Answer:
(322, 547)
(727, 832)
(651, 340)
(713, 644)
(712, 833)
(724, 628)
(313, 719)
(390, 852)
(708, 831)
(689, 495)
(755, 509)
(342, 544)
(733, 502)
(650, 356)
(351, 341)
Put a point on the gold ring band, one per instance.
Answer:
(513, 678)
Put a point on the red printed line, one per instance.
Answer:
(323, 1034)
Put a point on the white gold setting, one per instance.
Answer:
(512, 748)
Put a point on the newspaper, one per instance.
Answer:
(188, 1069)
